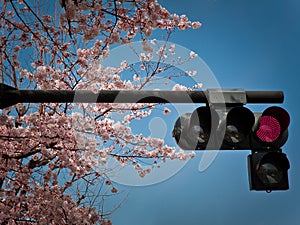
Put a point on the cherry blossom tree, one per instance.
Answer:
(49, 152)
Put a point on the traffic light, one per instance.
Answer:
(235, 127)
(271, 128)
(203, 123)
(232, 128)
(180, 132)
(267, 165)
(268, 170)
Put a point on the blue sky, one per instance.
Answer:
(252, 45)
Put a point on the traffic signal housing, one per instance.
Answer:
(267, 165)
(235, 127)
(268, 170)
(208, 128)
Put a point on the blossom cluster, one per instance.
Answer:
(52, 155)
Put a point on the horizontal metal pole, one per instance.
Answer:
(10, 96)
(264, 97)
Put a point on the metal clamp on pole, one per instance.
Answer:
(227, 96)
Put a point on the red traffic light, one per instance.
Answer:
(273, 123)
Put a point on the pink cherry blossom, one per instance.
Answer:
(193, 54)
(49, 151)
(178, 87)
(196, 25)
(166, 111)
(191, 72)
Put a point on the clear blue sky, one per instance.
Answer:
(247, 44)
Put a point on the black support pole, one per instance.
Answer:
(10, 96)
(264, 97)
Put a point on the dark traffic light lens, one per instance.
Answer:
(181, 134)
(269, 129)
(233, 134)
(268, 170)
(269, 173)
(203, 122)
(197, 132)
(239, 121)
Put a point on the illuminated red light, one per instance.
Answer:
(269, 129)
